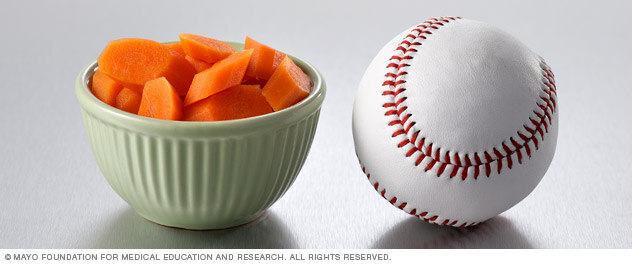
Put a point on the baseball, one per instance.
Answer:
(455, 121)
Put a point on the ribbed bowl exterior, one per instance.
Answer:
(203, 183)
(200, 175)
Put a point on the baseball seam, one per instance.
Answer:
(525, 142)
(426, 216)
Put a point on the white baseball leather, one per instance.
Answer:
(455, 121)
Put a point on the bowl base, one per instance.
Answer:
(202, 226)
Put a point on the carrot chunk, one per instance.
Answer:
(205, 49)
(160, 100)
(254, 81)
(177, 47)
(198, 65)
(104, 88)
(222, 75)
(264, 59)
(136, 61)
(237, 102)
(136, 88)
(287, 86)
(128, 100)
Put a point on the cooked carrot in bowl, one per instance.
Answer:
(197, 79)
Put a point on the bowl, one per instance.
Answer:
(200, 175)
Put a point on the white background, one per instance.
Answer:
(53, 195)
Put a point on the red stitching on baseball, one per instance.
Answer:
(441, 169)
(395, 93)
(411, 152)
(414, 137)
(394, 87)
(455, 169)
(398, 132)
(420, 159)
(403, 120)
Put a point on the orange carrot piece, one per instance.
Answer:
(287, 86)
(136, 61)
(264, 59)
(222, 75)
(128, 100)
(104, 88)
(254, 81)
(197, 64)
(160, 100)
(177, 47)
(205, 49)
(237, 102)
(136, 88)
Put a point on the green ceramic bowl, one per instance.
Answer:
(200, 175)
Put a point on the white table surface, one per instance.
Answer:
(53, 195)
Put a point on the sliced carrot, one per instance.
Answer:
(128, 100)
(136, 61)
(198, 64)
(160, 100)
(264, 59)
(287, 86)
(237, 102)
(205, 49)
(105, 88)
(136, 88)
(177, 47)
(254, 81)
(222, 75)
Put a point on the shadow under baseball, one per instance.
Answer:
(130, 230)
(497, 232)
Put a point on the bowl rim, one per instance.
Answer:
(95, 107)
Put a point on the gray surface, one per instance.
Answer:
(53, 195)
